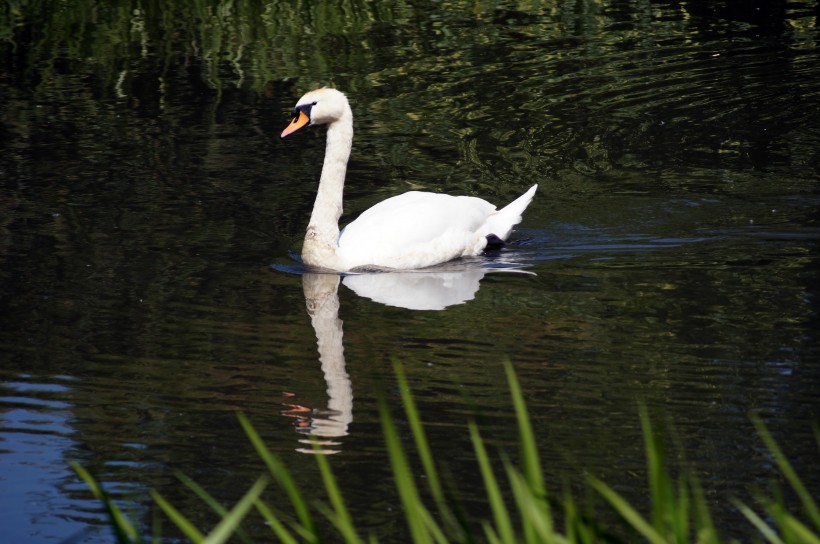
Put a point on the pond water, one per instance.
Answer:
(150, 217)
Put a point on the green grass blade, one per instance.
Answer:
(426, 457)
(703, 517)
(536, 520)
(349, 536)
(284, 479)
(226, 528)
(277, 526)
(680, 513)
(179, 520)
(627, 512)
(435, 531)
(415, 513)
(124, 530)
(576, 527)
(660, 486)
(530, 457)
(500, 514)
(785, 467)
(341, 517)
(419, 437)
(202, 494)
(211, 502)
(492, 536)
(803, 533)
(762, 527)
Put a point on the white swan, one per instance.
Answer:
(411, 230)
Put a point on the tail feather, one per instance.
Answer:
(502, 222)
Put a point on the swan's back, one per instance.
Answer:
(416, 229)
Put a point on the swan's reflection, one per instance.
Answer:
(322, 301)
(430, 289)
(415, 290)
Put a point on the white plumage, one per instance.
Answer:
(412, 230)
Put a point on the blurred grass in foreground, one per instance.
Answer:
(521, 509)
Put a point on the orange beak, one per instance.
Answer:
(298, 122)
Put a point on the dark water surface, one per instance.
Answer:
(149, 212)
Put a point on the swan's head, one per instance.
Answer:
(318, 107)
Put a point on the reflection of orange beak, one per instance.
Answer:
(297, 123)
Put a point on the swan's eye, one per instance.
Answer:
(314, 103)
(304, 108)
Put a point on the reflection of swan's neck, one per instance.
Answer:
(321, 239)
(322, 301)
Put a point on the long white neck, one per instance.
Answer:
(321, 240)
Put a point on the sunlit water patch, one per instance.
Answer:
(39, 491)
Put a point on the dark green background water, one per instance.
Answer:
(148, 214)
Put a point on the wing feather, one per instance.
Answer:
(417, 226)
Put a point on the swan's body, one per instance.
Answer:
(411, 230)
